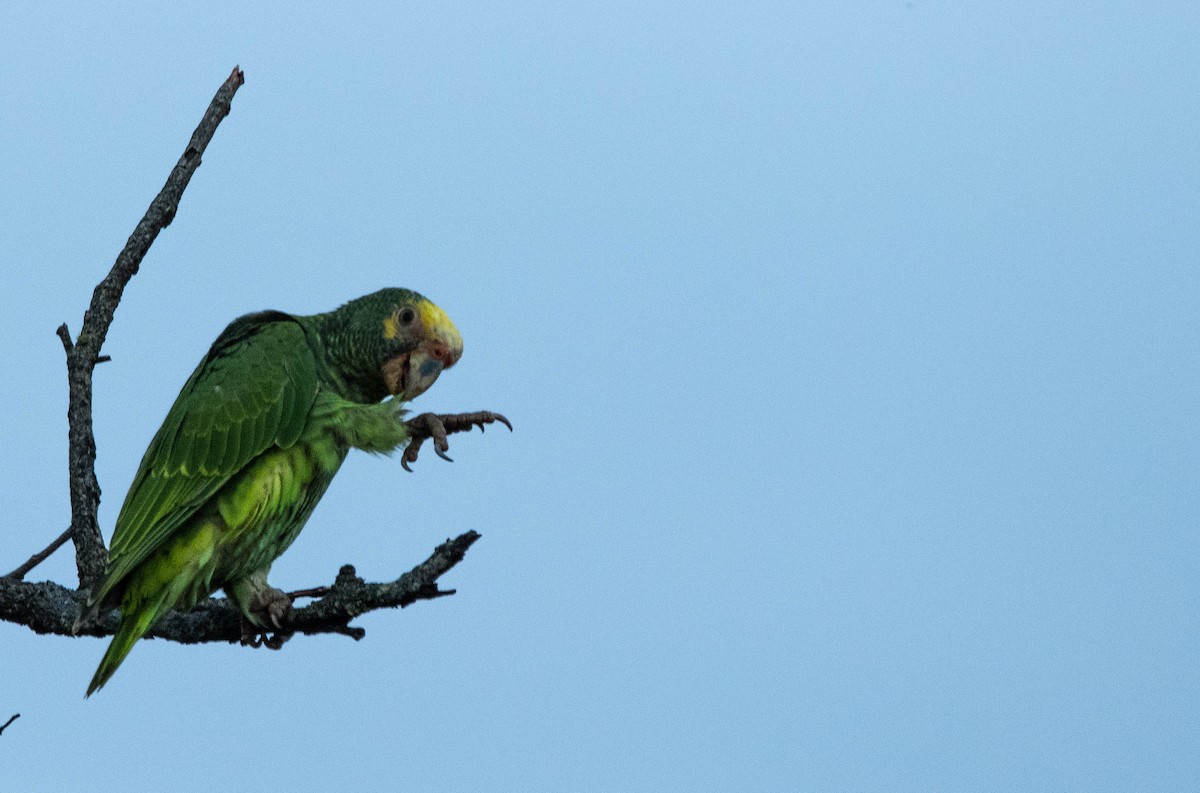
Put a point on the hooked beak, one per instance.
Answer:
(421, 372)
(409, 375)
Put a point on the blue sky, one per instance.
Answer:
(851, 351)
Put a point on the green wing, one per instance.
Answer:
(253, 391)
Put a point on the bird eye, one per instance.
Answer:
(406, 316)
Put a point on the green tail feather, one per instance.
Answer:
(132, 628)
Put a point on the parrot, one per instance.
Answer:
(250, 445)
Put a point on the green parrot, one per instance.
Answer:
(250, 445)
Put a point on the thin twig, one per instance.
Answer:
(84, 354)
(10, 721)
(315, 592)
(64, 333)
(40, 556)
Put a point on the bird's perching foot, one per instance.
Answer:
(437, 427)
(270, 608)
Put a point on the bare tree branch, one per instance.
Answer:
(15, 716)
(50, 608)
(83, 355)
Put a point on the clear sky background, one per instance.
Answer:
(851, 350)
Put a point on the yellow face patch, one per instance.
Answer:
(434, 324)
(433, 317)
(391, 325)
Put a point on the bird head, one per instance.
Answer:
(398, 342)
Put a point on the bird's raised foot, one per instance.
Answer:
(437, 427)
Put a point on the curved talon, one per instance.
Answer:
(431, 426)
(276, 641)
(253, 637)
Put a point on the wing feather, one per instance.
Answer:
(252, 392)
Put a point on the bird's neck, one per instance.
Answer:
(340, 355)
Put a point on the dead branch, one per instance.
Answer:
(84, 353)
(40, 556)
(50, 608)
